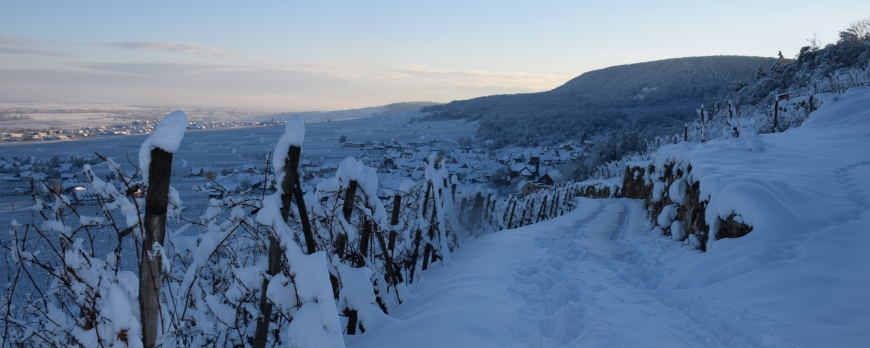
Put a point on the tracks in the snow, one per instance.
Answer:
(578, 294)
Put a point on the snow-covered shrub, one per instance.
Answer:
(69, 285)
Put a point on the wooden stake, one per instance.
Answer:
(364, 242)
(310, 243)
(426, 252)
(291, 167)
(415, 255)
(156, 202)
(775, 115)
(350, 194)
(511, 220)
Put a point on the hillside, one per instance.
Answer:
(604, 276)
(654, 96)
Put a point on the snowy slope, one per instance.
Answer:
(601, 276)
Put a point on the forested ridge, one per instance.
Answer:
(651, 98)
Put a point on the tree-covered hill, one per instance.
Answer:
(652, 97)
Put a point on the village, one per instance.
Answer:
(59, 122)
(518, 171)
(132, 128)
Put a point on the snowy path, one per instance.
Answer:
(566, 282)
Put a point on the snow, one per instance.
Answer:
(755, 144)
(166, 136)
(678, 230)
(677, 191)
(294, 135)
(603, 276)
(667, 216)
(406, 186)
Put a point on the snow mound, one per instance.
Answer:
(166, 136)
(294, 135)
(755, 144)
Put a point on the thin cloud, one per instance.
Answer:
(198, 50)
(12, 40)
(15, 50)
(481, 78)
(337, 71)
(15, 45)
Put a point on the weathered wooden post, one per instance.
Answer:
(775, 114)
(156, 202)
(554, 204)
(394, 220)
(511, 219)
(486, 206)
(155, 158)
(310, 243)
(426, 198)
(730, 111)
(349, 196)
(364, 237)
(462, 209)
(415, 255)
(531, 211)
(686, 133)
(474, 218)
(347, 210)
(388, 262)
(291, 166)
(428, 250)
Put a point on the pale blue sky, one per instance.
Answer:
(329, 55)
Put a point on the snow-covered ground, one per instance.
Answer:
(601, 276)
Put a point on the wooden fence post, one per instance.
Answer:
(156, 202)
(428, 250)
(394, 220)
(511, 219)
(775, 115)
(475, 212)
(541, 214)
(303, 217)
(554, 204)
(347, 210)
(364, 243)
(462, 209)
(486, 206)
(426, 198)
(291, 166)
(415, 255)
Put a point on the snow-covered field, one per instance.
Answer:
(601, 276)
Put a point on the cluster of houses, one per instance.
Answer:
(531, 169)
(135, 127)
(521, 171)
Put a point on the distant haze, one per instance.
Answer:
(292, 56)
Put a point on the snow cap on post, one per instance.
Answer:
(166, 136)
(293, 135)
